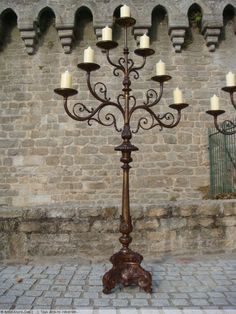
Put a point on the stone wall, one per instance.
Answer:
(168, 228)
(46, 158)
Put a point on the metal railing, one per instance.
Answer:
(222, 154)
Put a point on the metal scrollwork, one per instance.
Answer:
(94, 114)
(102, 89)
(227, 127)
(150, 94)
(153, 120)
(117, 67)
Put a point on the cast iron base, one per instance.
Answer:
(127, 271)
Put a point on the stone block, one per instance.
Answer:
(158, 212)
(81, 226)
(173, 223)
(226, 221)
(146, 225)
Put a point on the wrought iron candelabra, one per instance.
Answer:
(126, 269)
(227, 127)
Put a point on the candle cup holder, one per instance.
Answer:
(229, 89)
(215, 113)
(144, 52)
(179, 106)
(227, 127)
(161, 78)
(125, 21)
(88, 66)
(66, 92)
(106, 44)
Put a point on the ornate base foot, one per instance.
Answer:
(127, 271)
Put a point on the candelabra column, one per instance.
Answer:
(126, 263)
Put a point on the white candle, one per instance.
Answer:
(106, 33)
(160, 68)
(230, 79)
(215, 103)
(89, 55)
(125, 11)
(178, 97)
(66, 80)
(144, 41)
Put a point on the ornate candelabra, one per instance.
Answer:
(126, 263)
(227, 127)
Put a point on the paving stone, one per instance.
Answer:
(120, 302)
(14, 292)
(142, 295)
(5, 306)
(179, 295)
(25, 269)
(23, 307)
(51, 270)
(33, 293)
(41, 287)
(43, 301)
(58, 288)
(22, 286)
(107, 311)
(139, 302)
(81, 302)
(232, 301)
(216, 294)
(197, 295)
(40, 276)
(124, 295)
(62, 282)
(52, 294)
(63, 301)
(42, 307)
(218, 301)
(194, 311)
(94, 289)
(230, 294)
(44, 282)
(90, 295)
(101, 302)
(160, 302)
(180, 302)
(75, 288)
(160, 295)
(128, 310)
(199, 302)
(7, 299)
(171, 311)
(149, 311)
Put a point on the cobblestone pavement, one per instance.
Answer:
(196, 285)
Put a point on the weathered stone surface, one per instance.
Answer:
(163, 228)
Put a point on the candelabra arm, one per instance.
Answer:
(116, 66)
(151, 93)
(146, 123)
(135, 69)
(94, 114)
(75, 116)
(103, 89)
(232, 99)
(225, 127)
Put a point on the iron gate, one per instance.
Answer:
(222, 154)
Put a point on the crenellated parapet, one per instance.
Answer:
(103, 12)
